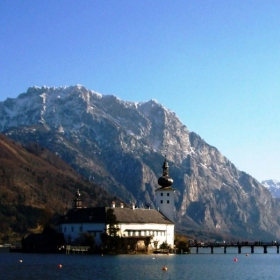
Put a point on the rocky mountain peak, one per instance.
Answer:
(121, 145)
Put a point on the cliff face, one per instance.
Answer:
(121, 146)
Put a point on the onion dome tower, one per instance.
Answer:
(165, 194)
(78, 203)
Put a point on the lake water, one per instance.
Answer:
(133, 267)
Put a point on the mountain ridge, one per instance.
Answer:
(121, 145)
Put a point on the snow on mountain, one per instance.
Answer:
(273, 186)
(122, 146)
(44, 106)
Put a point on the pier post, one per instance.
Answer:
(225, 249)
(252, 249)
(197, 249)
(277, 249)
(239, 249)
(265, 249)
(212, 249)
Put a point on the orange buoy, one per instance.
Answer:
(59, 266)
(235, 259)
(164, 268)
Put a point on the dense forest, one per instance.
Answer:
(35, 187)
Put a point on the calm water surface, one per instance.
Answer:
(133, 267)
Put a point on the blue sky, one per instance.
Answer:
(216, 64)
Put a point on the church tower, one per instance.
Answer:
(165, 194)
(78, 203)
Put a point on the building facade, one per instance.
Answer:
(132, 223)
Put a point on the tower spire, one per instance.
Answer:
(78, 201)
(165, 181)
(165, 194)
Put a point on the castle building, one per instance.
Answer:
(132, 223)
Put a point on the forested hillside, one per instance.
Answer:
(36, 185)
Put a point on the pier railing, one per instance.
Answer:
(238, 245)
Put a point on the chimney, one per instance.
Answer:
(133, 205)
(113, 204)
(121, 205)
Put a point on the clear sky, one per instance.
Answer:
(216, 64)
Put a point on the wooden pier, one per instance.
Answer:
(76, 249)
(238, 246)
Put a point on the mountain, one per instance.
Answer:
(121, 146)
(35, 184)
(273, 186)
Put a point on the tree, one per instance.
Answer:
(155, 244)
(181, 243)
(110, 239)
(112, 223)
(164, 245)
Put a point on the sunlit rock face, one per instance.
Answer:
(121, 146)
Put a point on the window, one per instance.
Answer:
(167, 201)
(161, 201)
(168, 194)
(161, 194)
(81, 228)
(72, 228)
(65, 229)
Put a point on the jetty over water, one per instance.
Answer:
(238, 246)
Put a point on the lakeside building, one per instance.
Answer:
(138, 224)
